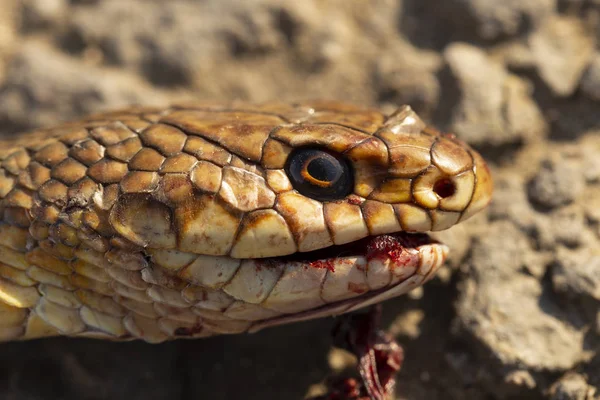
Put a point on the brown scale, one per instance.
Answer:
(141, 223)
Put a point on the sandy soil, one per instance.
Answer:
(515, 314)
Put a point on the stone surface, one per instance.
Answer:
(557, 183)
(507, 18)
(578, 273)
(515, 314)
(488, 313)
(44, 85)
(572, 386)
(590, 83)
(494, 107)
(562, 48)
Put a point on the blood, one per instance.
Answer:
(373, 246)
(395, 248)
(379, 358)
(327, 264)
(354, 200)
(450, 136)
(384, 247)
(345, 389)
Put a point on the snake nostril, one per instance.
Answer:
(444, 187)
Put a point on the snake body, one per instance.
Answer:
(191, 221)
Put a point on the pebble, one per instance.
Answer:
(557, 183)
(562, 49)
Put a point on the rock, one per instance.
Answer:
(521, 378)
(590, 83)
(505, 311)
(407, 324)
(521, 115)
(339, 359)
(510, 201)
(565, 226)
(459, 238)
(558, 182)
(39, 14)
(591, 208)
(8, 33)
(411, 82)
(42, 84)
(572, 386)
(167, 59)
(516, 55)
(494, 107)
(507, 18)
(577, 273)
(562, 48)
(590, 147)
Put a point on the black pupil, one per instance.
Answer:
(323, 169)
(319, 174)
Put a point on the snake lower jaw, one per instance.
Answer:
(431, 256)
(410, 259)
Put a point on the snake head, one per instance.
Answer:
(296, 213)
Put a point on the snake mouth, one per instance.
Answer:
(410, 259)
(371, 246)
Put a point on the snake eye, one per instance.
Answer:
(319, 174)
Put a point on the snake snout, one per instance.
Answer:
(483, 188)
(433, 180)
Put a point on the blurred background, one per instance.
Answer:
(514, 314)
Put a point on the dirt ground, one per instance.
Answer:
(514, 315)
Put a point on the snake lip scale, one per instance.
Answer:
(397, 248)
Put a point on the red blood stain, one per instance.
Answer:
(450, 136)
(346, 389)
(354, 200)
(327, 264)
(384, 247)
(389, 247)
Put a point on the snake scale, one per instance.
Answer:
(204, 219)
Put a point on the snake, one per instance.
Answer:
(200, 219)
